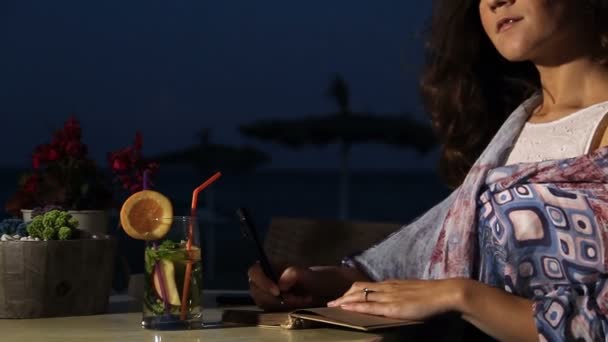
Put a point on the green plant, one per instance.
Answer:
(53, 225)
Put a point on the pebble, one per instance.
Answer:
(6, 237)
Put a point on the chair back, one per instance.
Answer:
(310, 242)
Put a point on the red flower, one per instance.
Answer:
(36, 161)
(47, 153)
(64, 175)
(31, 184)
(122, 160)
(53, 155)
(66, 141)
(121, 164)
(128, 166)
(135, 188)
(75, 149)
(58, 138)
(124, 179)
(71, 129)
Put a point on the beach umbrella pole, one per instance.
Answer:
(211, 236)
(344, 195)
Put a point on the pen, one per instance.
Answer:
(250, 232)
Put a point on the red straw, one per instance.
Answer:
(188, 275)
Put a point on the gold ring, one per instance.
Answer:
(367, 291)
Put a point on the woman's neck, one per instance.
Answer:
(571, 86)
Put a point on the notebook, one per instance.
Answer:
(312, 318)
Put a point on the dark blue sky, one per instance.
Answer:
(171, 67)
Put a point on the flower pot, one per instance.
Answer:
(91, 222)
(56, 278)
(26, 215)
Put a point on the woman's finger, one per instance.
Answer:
(269, 302)
(360, 297)
(297, 279)
(359, 286)
(372, 308)
(264, 299)
(349, 298)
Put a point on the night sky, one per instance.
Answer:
(169, 68)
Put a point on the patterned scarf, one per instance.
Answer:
(442, 242)
(562, 269)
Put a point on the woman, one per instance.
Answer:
(524, 81)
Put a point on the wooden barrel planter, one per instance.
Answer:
(55, 278)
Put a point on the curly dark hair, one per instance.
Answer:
(469, 89)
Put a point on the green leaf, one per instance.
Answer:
(168, 250)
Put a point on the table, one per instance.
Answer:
(126, 327)
(123, 323)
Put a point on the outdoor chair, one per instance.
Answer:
(308, 242)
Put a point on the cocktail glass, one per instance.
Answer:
(172, 299)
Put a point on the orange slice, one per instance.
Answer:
(146, 215)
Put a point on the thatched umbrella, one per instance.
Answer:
(207, 156)
(345, 128)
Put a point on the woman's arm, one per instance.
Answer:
(494, 311)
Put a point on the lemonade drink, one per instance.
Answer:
(173, 271)
(165, 267)
(166, 262)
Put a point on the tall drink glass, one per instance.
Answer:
(172, 299)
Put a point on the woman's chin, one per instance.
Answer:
(515, 55)
(516, 51)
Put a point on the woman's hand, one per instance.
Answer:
(421, 299)
(403, 299)
(266, 293)
(300, 287)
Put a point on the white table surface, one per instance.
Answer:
(124, 324)
(127, 327)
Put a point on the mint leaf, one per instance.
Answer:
(168, 250)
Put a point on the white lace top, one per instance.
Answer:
(570, 136)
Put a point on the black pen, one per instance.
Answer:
(250, 232)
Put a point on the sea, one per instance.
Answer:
(394, 196)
